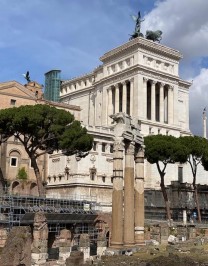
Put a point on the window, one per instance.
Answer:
(92, 173)
(180, 174)
(94, 147)
(103, 178)
(12, 102)
(111, 148)
(103, 147)
(13, 161)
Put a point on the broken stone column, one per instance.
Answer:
(3, 236)
(84, 245)
(117, 195)
(129, 195)
(101, 244)
(64, 244)
(139, 195)
(164, 233)
(76, 258)
(184, 217)
(40, 240)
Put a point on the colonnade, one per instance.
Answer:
(120, 97)
(128, 187)
(157, 99)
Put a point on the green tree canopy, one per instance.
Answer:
(195, 150)
(44, 129)
(163, 150)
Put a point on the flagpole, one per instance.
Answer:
(204, 123)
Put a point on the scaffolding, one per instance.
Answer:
(18, 210)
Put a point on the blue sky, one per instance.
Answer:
(71, 35)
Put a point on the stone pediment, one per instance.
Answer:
(14, 88)
(141, 44)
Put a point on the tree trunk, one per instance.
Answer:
(165, 196)
(41, 189)
(197, 203)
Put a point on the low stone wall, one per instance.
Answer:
(160, 232)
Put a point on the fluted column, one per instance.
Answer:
(117, 196)
(131, 96)
(145, 97)
(104, 106)
(129, 195)
(170, 105)
(116, 98)
(153, 100)
(162, 102)
(124, 97)
(110, 104)
(139, 195)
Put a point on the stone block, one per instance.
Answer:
(76, 258)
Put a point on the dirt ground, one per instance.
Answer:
(186, 254)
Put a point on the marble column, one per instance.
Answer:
(145, 97)
(104, 106)
(131, 96)
(139, 195)
(116, 98)
(153, 100)
(162, 102)
(165, 104)
(170, 105)
(129, 195)
(117, 196)
(110, 105)
(124, 97)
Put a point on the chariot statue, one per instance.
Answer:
(155, 36)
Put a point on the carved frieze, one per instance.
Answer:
(130, 148)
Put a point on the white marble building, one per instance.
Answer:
(140, 78)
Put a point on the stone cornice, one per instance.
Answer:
(184, 83)
(142, 43)
(139, 69)
(75, 79)
(130, 73)
(164, 126)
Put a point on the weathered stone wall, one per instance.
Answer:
(17, 250)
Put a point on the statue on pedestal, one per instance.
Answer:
(138, 21)
(154, 36)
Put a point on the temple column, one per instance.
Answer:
(104, 106)
(165, 105)
(110, 105)
(145, 97)
(116, 98)
(129, 195)
(153, 100)
(139, 195)
(162, 102)
(117, 195)
(170, 105)
(124, 97)
(131, 96)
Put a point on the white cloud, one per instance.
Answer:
(184, 24)
(198, 100)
